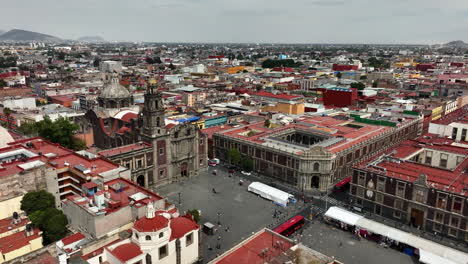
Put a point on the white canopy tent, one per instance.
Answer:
(270, 193)
(430, 252)
(343, 215)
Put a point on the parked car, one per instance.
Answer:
(247, 173)
(212, 163)
(232, 169)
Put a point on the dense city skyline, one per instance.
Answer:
(317, 21)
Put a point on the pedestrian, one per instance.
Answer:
(341, 244)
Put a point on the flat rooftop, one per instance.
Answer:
(396, 163)
(349, 131)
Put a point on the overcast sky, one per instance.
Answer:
(284, 21)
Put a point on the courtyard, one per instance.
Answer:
(242, 213)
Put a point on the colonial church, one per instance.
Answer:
(119, 127)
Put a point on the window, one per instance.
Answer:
(439, 217)
(400, 191)
(428, 157)
(398, 204)
(161, 151)
(360, 192)
(443, 160)
(201, 161)
(454, 133)
(161, 173)
(161, 234)
(420, 196)
(189, 239)
(147, 238)
(453, 232)
(100, 259)
(163, 252)
(457, 205)
(201, 141)
(460, 159)
(379, 198)
(136, 235)
(454, 222)
(441, 201)
(381, 184)
(362, 179)
(139, 163)
(316, 166)
(463, 135)
(148, 259)
(437, 227)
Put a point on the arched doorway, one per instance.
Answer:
(315, 182)
(183, 169)
(141, 180)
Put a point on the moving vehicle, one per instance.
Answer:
(213, 162)
(247, 173)
(232, 169)
(290, 226)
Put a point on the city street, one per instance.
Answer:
(244, 213)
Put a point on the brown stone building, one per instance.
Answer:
(178, 151)
(422, 183)
(314, 153)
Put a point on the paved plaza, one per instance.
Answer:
(245, 213)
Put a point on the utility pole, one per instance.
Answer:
(179, 199)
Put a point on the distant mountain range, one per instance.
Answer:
(91, 39)
(457, 44)
(25, 35)
(2, 31)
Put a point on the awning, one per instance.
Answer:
(429, 258)
(343, 215)
(343, 182)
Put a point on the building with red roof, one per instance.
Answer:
(160, 236)
(266, 246)
(313, 152)
(18, 238)
(421, 182)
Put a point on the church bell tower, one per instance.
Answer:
(153, 112)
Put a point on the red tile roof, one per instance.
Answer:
(126, 252)
(72, 239)
(6, 224)
(151, 224)
(182, 225)
(278, 96)
(250, 251)
(124, 149)
(17, 240)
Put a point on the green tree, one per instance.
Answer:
(234, 156)
(267, 123)
(375, 84)
(7, 111)
(363, 77)
(37, 200)
(358, 85)
(2, 83)
(247, 163)
(55, 227)
(60, 131)
(28, 129)
(196, 215)
(339, 75)
(171, 66)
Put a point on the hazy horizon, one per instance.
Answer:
(245, 21)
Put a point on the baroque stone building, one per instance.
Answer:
(315, 152)
(177, 151)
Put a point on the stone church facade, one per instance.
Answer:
(178, 151)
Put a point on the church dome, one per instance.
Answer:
(114, 90)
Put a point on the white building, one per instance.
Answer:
(453, 125)
(110, 66)
(156, 238)
(28, 103)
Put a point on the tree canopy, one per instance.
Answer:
(358, 85)
(247, 163)
(40, 208)
(36, 201)
(234, 156)
(60, 131)
(196, 215)
(269, 63)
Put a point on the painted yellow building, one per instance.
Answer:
(437, 112)
(7, 207)
(16, 239)
(285, 108)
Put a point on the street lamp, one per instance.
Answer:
(219, 222)
(179, 199)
